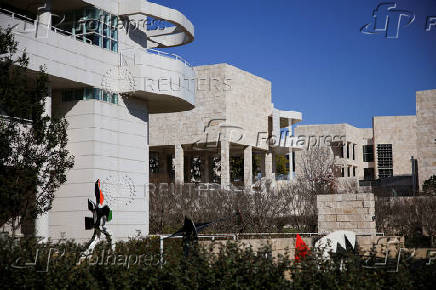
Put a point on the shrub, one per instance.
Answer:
(429, 185)
(231, 267)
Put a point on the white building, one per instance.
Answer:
(105, 80)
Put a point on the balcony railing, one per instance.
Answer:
(169, 55)
(35, 23)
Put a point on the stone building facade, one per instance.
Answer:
(392, 147)
(100, 68)
(233, 118)
(426, 134)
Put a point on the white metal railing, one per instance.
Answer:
(169, 55)
(35, 23)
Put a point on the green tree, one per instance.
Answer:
(281, 162)
(33, 154)
(429, 185)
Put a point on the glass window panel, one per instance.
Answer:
(106, 96)
(106, 43)
(114, 46)
(96, 94)
(105, 30)
(114, 34)
(115, 99)
(88, 93)
(114, 21)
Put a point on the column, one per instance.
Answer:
(178, 164)
(225, 163)
(44, 20)
(248, 166)
(42, 221)
(206, 165)
(291, 173)
(269, 165)
(344, 150)
(274, 166)
(275, 127)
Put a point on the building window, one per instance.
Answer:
(354, 171)
(348, 151)
(384, 160)
(368, 153)
(93, 26)
(348, 172)
(89, 94)
(354, 151)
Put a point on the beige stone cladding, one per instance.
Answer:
(354, 212)
(229, 102)
(426, 134)
(338, 137)
(400, 131)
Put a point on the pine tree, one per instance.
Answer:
(33, 154)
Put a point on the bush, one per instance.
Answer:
(413, 217)
(231, 267)
(429, 185)
(263, 209)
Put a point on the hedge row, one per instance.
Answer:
(136, 264)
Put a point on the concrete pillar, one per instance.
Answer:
(346, 171)
(269, 165)
(225, 164)
(291, 173)
(276, 127)
(248, 166)
(344, 150)
(179, 173)
(274, 166)
(206, 165)
(42, 221)
(44, 20)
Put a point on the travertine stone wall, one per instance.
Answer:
(229, 102)
(279, 246)
(352, 212)
(400, 131)
(426, 134)
(110, 143)
(333, 135)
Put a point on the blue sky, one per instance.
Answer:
(314, 54)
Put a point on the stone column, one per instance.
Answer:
(42, 221)
(225, 163)
(179, 174)
(344, 150)
(291, 173)
(248, 166)
(269, 165)
(44, 19)
(206, 166)
(274, 166)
